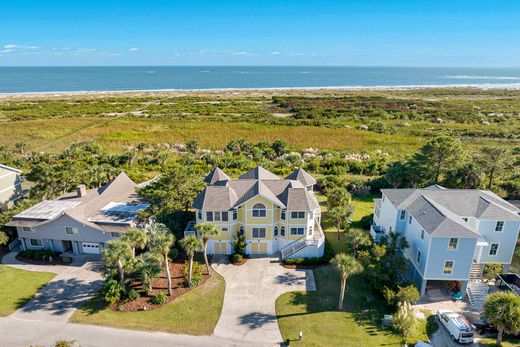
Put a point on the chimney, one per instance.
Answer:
(81, 190)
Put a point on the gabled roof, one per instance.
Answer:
(440, 211)
(302, 176)
(259, 173)
(92, 209)
(215, 176)
(286, 193)
(8, 168)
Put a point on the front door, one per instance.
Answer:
(67, 246)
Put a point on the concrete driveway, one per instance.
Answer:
(72, 287)
(251, 291)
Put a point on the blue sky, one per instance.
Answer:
(148, 32)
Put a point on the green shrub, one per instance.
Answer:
(133, 295)
(306, 261)
(111, 291)
(174, 253)
(196, 274)
(159, 299)
(366, 221)
(239, 242)
(66, 260)
(236, 258)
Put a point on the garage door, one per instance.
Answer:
(90, 247)
(259, 248)
(220, 248)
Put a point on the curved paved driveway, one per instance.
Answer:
(249, 302)
(57, 300)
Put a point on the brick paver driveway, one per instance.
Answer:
(72, 287)
(251, 290)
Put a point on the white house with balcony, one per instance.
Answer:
(452, 232)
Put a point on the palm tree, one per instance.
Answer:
(136, 238)
(161, 242)
(347, 266)
(503, 311)
(116, 253)
(191, 244)
(206, 230)
(340, 214)
(148, 267)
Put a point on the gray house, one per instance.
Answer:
(452, 232)
(80, 222)
(10, 186)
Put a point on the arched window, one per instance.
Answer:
(282, 231)
(259, 210)
(241, 230)
(275, 231)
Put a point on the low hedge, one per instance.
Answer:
(305, 261)
(38, 254)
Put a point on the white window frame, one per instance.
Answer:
(282, 214)
(500, 228)
(298, 214)
(28, 229)
(282, 231)
(402, 216)
(444, 267)
(456, 243)
(74, 230)
(224, 229)
(491, 248)
(199, 214)
(297, 231)
(258, 210)
(258, 230)
(209, 216)
(38, 240)
(224, 215)
(235, 214)
(418, 257)
(275, 231)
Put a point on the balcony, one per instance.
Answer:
(376, 231)
(190, 229)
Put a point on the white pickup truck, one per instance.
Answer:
(457, 325)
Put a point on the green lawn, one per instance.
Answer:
(19, 286)
(193, 313)
(363, 205)
(323, 325)
(490, 342)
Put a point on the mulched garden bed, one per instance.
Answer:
(158, 285)
(244, 260)
(55, 261)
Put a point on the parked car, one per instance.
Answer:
(483, 326)
(457, 325)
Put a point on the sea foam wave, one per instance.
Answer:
(476, 77)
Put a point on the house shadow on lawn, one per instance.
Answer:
(57, 297)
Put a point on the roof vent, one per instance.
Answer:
(81, 190)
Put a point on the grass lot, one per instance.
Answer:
(322, 325)
(194, 313)
(19, 286)
(56, 134)
(363, 205)
(490, 342)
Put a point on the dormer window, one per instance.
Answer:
(259, 211)
(499, 226)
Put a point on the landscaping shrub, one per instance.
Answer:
(239, 242)
(159, 299)
(38, 254)
(491, 271)
(66, 260)
(196, 275)
(306, 261)
(174, 253)
(133, 295)
(236, 258)
(111, 291)
(366, 221)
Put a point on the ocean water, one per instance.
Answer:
(77, 79)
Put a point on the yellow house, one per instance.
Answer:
(277, 216)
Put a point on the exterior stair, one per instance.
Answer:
(477, 290)
(298, 245)
(294, 247)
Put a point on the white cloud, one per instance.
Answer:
(10, 46)
(241, 53)
(135, 49)
(7, 51)
(275, 53)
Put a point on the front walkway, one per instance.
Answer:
(249, 312)
(73, 285)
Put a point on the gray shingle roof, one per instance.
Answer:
(259, 173)
(215, 176)
(121, 191)
(440, 211)
(286, 193)
(302, 176)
